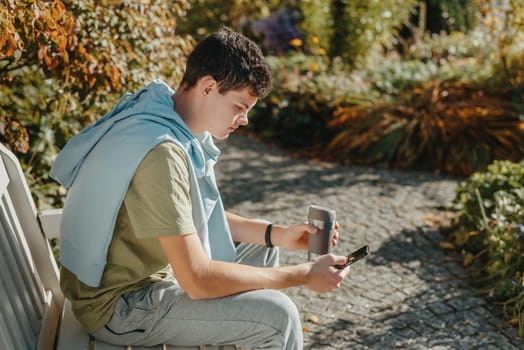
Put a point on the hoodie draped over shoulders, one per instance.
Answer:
(98, 164)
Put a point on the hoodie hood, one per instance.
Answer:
(153, 100)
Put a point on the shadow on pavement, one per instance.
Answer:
(251, 171)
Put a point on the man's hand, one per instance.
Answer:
(295, 237)
(323, 277)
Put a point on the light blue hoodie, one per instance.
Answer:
(98, 164)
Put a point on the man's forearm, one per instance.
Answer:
(249, 230)
(204, 278)
(227, 280)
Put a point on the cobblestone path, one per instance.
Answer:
(408, 294)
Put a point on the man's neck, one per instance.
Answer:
(183, 104)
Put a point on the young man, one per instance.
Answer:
(149, 256)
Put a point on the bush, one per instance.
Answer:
(206, 16)
(307, 91)
(351, 29)
(435, 126)
(450, 15)
(489, 230)
(65, 63)
(412, 114)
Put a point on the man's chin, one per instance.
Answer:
(222, 136)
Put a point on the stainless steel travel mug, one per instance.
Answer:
(324, 219)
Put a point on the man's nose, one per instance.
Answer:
(242, 119)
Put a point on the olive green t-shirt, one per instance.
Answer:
(157, 203)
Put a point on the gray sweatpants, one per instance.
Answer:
(162, 313)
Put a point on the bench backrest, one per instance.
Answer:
(31, 303)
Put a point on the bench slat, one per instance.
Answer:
(26, 276)
(17, 253)
(41, 256)
(5, 335)
(19, 247)
(21, 312)
(29, 275)
(4, 178)
(17, 335)
(104, 346)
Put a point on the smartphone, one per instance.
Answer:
(355, 256)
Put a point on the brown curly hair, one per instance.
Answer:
(233, 60)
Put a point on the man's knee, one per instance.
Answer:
(280, 303)
(281, 313)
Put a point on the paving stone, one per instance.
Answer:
(440, 308)
(408, 333)
(460, 304)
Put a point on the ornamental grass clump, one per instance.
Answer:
(446, 127)
(489, 231)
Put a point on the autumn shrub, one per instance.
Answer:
(489, 231)
(64, 63)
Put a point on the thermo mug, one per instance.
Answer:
(324, 219)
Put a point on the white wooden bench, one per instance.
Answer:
(33, 311)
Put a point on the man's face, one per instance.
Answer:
(224, 113)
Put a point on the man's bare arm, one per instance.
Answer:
(253, 231)
(203, 278)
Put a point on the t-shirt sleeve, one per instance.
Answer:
(158, 200)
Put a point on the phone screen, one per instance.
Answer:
(355, 256)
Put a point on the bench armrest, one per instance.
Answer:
(50, 222)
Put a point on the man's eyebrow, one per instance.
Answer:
(244, 104)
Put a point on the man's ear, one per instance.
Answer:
(206, 84)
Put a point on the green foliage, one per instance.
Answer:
(307, 91)
(503, 28)
(489, 229)
(32, 102)
(448, 47)
(493, 51)
(446, 109)
(476, 210)
(64, 63)
(398, 115)
(351, 29)
(450, 15)
(317, 22)
(396, 76)
(206, 16)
